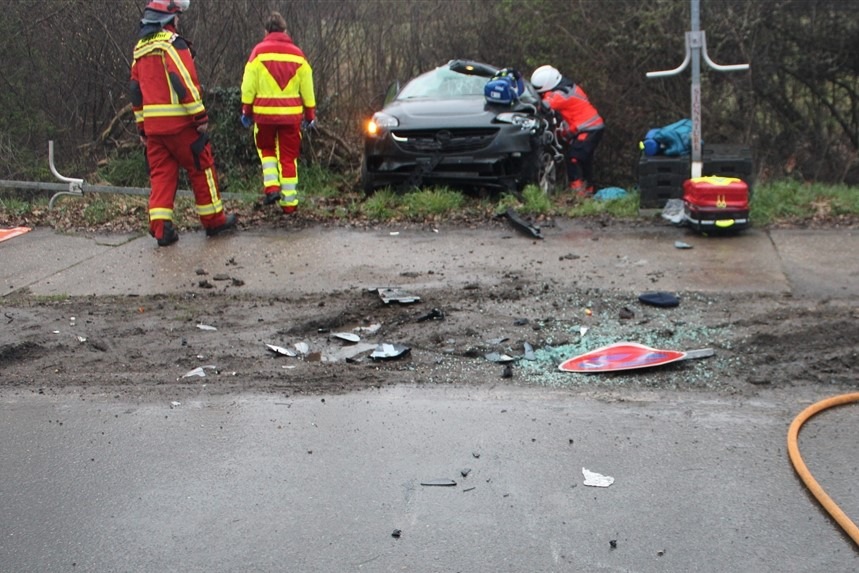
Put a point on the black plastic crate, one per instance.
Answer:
(728, 160)
(663, 164)
(659, 180)
(657, 197)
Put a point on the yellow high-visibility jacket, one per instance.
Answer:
(277, 86)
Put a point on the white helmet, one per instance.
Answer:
(545, 78)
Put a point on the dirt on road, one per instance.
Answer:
(134, 346)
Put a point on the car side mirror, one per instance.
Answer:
(392, 92)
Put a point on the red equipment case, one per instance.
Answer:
(716, 203)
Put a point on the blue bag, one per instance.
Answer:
(504, 88)
(674, 139)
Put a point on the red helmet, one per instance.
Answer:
(168, 6)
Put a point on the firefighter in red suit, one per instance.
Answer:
(584, 124)
(278, 100)
(172, 123)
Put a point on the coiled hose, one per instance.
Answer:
(799, 466)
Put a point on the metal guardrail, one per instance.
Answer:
(75, 187)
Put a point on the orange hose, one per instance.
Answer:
(799, 466)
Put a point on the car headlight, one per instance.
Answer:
(526, 122)
(381, 121)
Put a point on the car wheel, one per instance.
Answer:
(550, 173)
(368, 182)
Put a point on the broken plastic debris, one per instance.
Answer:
(529, 352)
(439, 482)
(302, 347)
(659, 298)
(494, 341)
(498, 357)
(174, 403)
(348, 352)
(522, 225)
(674, 211)
(347, 336)
(594, 479)
(434, 314)
(393, 294)
(371, 329)
(387, 351)
(200, 371)
(682, 245)
(206, 327)
(582, 331)
(81, 339)
(280, 350)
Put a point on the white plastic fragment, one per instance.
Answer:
(200, 371)
(347, 336)
(371, 329)
(386, 350)
(206, 327)
(498, 357)
(280, 350)
(81, 339)
(674, 211)
(594, 479)
(302, 347)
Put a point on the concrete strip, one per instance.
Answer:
(319, 260)
(822, 262)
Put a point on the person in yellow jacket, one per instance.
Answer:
(278, 100)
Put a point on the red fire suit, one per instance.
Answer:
(168, 108)
(586, 130)
(277, 94)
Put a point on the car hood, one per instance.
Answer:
(438, 113)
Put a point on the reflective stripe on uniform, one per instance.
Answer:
(173, 110)
(288, 195)
(270, 172)
(216, 206)
(160, 214)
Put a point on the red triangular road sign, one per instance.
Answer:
(626, 356)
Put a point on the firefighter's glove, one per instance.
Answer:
(306, 125)
(247, 121)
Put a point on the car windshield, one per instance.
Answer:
(443, 83)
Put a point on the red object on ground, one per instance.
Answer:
(716, 202)
(620, 356)
(13, 232)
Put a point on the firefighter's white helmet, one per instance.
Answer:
(545, 78)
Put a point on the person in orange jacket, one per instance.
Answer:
(584, 124)
(278, 99)
(172, 123)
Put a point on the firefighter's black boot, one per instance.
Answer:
(168, 235)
